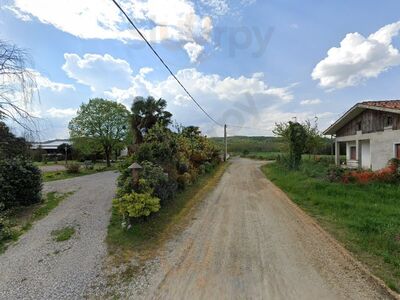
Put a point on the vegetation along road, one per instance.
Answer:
(249, 241)
(61, 255)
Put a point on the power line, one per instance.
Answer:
(246, 127)
(263, 129)
(165, 65)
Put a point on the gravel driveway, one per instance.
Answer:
(37, 267)
(249, 241)
(52, 168)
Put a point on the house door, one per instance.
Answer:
(365, 154)
(397, 151)
(353, 153)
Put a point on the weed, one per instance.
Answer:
(63, 234)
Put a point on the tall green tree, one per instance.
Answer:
(315, 142)
(103, 122)
(145, 114)
(295, 136)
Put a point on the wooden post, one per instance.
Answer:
(337, 153)
(358, 147)
(226, 144)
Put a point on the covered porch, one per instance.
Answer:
(357, 153)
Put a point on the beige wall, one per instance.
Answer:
(381, 145)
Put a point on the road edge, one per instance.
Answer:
(375, 280)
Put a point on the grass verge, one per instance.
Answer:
(59, 175)
(144, 239)
(22, 219)
(63, 234)
(364, 218)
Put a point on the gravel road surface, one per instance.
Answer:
(37, 267)
(249, 241)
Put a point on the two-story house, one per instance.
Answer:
(371, 132)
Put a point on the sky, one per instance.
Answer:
(249, 63)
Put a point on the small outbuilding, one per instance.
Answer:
(371, 132)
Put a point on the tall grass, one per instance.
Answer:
(364, 218)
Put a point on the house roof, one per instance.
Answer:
(392, 106)
(50, 145)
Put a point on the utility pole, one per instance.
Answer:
(226, 144)
(66, 153)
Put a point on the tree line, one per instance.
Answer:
(167, 157)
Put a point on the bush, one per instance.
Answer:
(135, 205)
(335, 174)
(245, 152)
(73, 168)
(390, 174)
(88, 164)
(184, 180)
(20, 183)
(5, 229)
(100, 168)
(208, 167)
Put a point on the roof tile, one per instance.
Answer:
(391, 104)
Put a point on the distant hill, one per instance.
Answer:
(237, 144)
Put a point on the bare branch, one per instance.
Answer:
(18, 86)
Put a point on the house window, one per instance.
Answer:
(388, 121)
(397, 151)
(353, 153)
(359, 126)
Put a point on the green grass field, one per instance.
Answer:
(52, 163)
(364, 218)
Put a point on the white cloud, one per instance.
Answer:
(145, 70)
(18, 14)
(310, 102)
(44, 82)
(230, 99)
(193, 50)
(219, 7)
(358, 58)
(98, 71)
(247, 2)
(61, 113)
(159, 20)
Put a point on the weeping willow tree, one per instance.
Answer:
(17, 86)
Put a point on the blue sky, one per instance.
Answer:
(248, 62)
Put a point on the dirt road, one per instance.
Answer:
(37, 267)
(249, 241)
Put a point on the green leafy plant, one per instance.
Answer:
(295, 136)
(20, 183)
(135, 205)
(63, 234)
(73, 168)
(5, 229)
